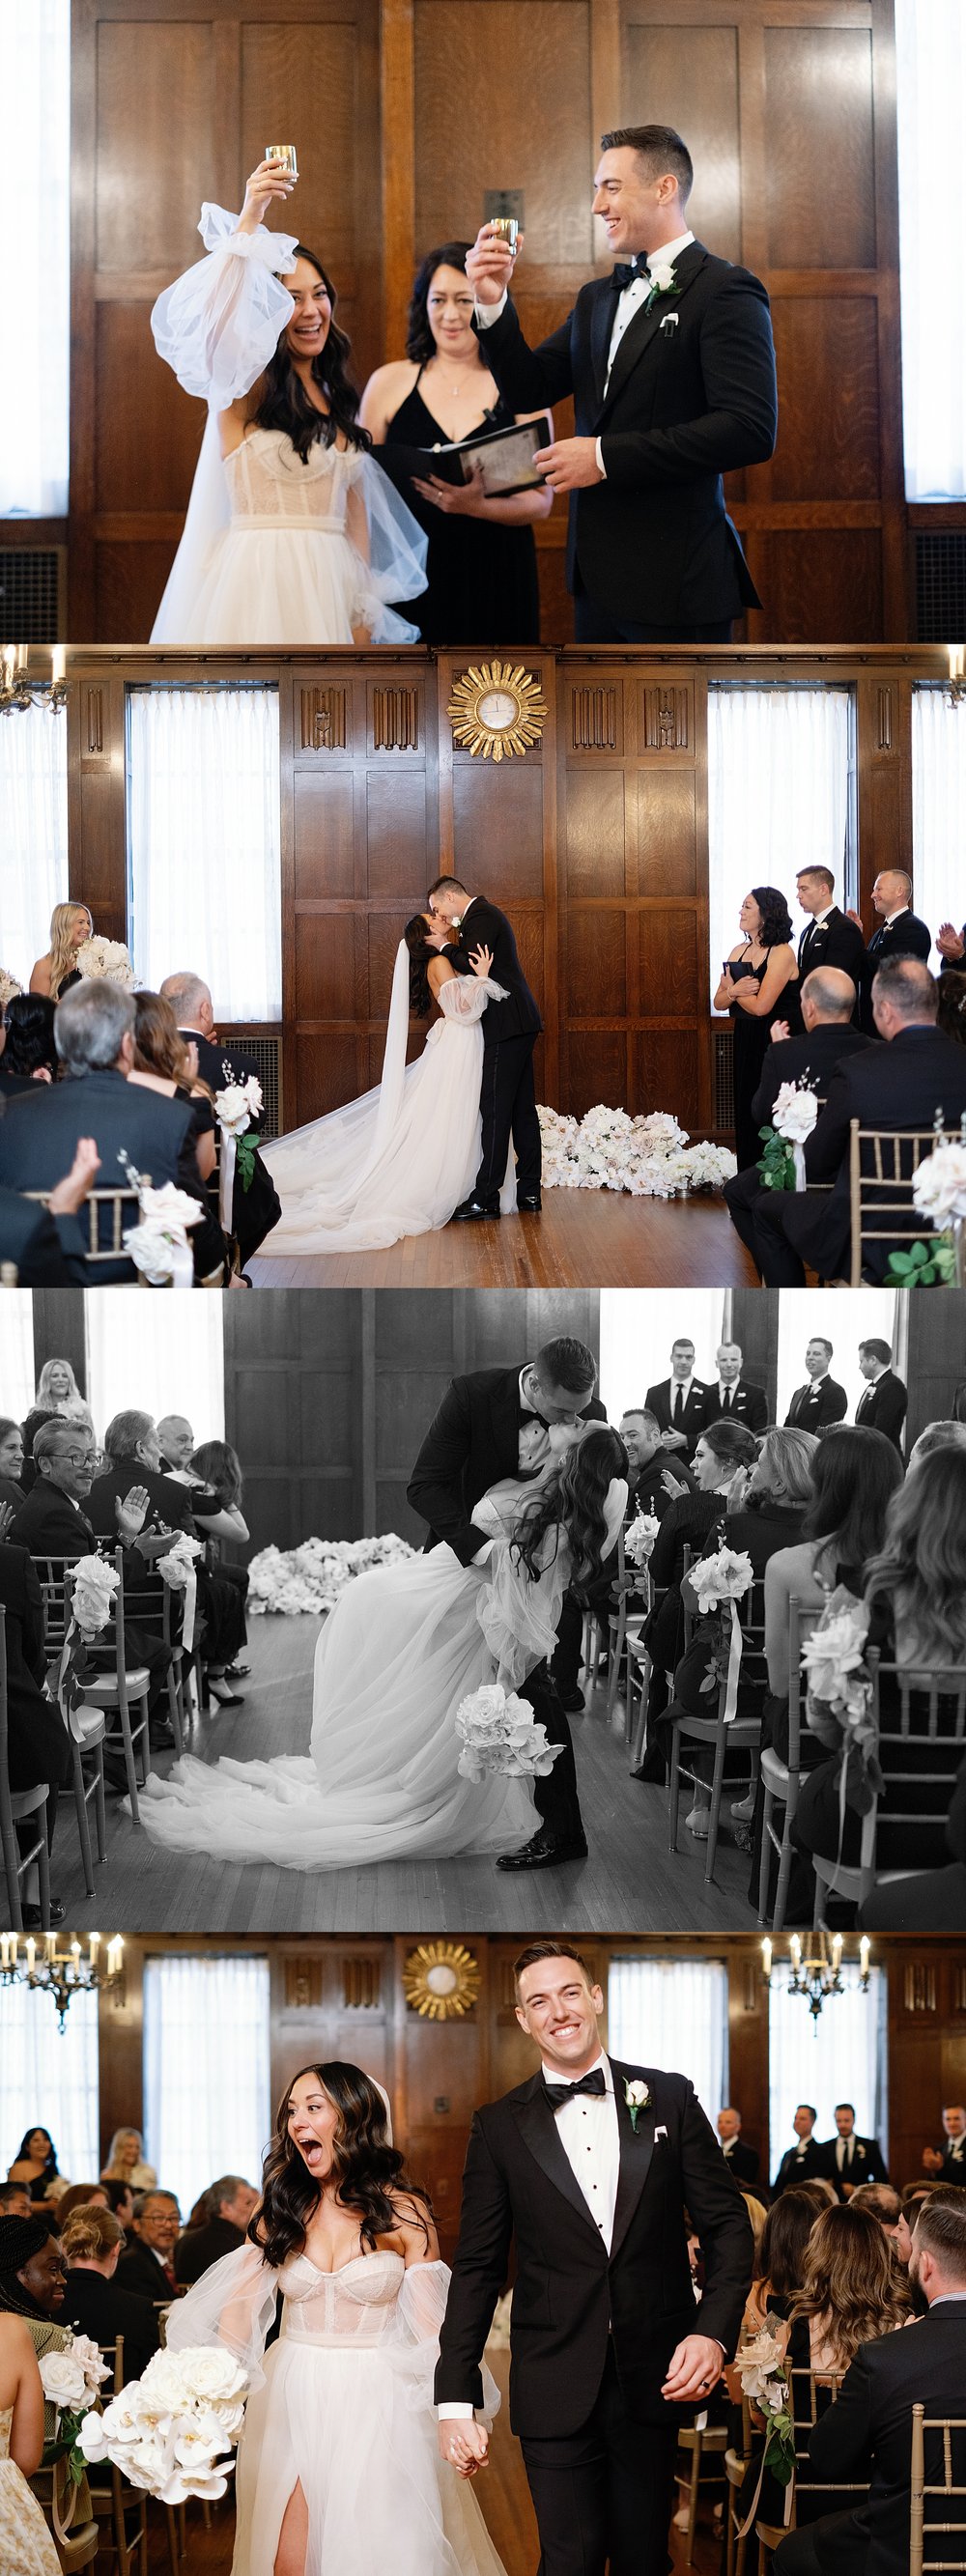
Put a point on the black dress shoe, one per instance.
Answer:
(237, 1672)
(31, 1915)
(545, 1851)
(530, 1206)
(160, 1737)
(572, 1700)
(651, 1767)
(475, 1207)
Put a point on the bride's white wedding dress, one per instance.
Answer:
(343, 2406)
(403, 1646)
(273, 551)
(400, 1159)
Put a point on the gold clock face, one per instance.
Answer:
(441, 1980)
(497, 709)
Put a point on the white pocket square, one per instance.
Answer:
(659, 2133)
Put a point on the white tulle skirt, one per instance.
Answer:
(282, 586)
(336, 2420)
(344, 1190)
(401, 1649)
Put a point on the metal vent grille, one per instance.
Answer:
(268, 1057)
(724, 1089)
(941, 586)
(30, 582)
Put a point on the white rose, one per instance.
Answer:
(212, 2375)
(636, 2094)
(661, 273)
(164, 2384)
(62, 2379)
(794, 1113)
(233, 1109)
(93, 2365)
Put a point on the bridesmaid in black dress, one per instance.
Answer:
(754, 977)
(481, 575)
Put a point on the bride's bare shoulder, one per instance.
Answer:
(439, 971)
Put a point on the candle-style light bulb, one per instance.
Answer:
(796, 1951)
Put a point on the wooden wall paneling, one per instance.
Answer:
(291, 1409)
(884, 741)
(97, 799)
(937, 1357)
(498, 832)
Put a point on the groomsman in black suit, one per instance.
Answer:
(829, 938)
(585, 2171)
(850, 2159)
(806, 2159)
(488, 1427)
(510, 1032)
(672, 368)
(820, 1401)
(732, 1398)
(948, 2162)
(742, 2162)
(679, 1402)
(900, 934)
(882, 1407)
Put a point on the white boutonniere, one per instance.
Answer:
(637, 2097)
(662, 277)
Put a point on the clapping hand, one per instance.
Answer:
(857, 918)
(71, 1192)
(779, 1031)
(481, 960)
(949, 942)
(674, 1485)
(489, 265)
(132, 1513)
(271, 182)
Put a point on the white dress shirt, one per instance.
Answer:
(843, 2154)
(628, 303)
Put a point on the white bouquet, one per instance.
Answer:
(106, 961)
(95, 1584)
(717, 1579)
(761, 2369)
(794, 1113)
(238, 1104)
(171, 2431)
(500, 1736)
(158, 1245)
(310, 1578)
(782, 1164)
(177, 1568)
(639, 1538)
(71, 2380)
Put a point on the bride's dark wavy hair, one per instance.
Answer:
(573, 1499)
(282, 399)
(420, 952)
(369, 2172)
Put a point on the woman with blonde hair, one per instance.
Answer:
(92, 2241)
(70, 925)
(125, 2161)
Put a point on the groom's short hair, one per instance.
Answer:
(446, 885)
(567, 1364)
(537, 1950)
(659, 147)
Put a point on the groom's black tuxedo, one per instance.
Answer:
(510, 1031)
(691, 394)
(583, 2314)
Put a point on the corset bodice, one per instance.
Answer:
(356, 2304)
(268, 483)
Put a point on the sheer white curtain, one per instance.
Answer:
(870, 1315)
(35, 304)
(938, 807)
(18, 1376)
(778, 797)
(207, 2089)
(50, 2079)
(673, 2013)
(841, 2057)
(167, 1363)
(931, 116)
(637, 1328)
(33, 832)
(204, 838)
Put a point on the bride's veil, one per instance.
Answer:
(394, 1055)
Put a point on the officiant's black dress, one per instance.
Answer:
(750, 1043)
(481, 578)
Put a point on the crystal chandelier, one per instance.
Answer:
(21, 688)
(62, 1971)
(816, 1969)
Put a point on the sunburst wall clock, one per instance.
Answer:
(441, 1980)
(497, 708)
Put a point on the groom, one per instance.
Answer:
(510, 1031)
(587, 2168)
(493, 1424)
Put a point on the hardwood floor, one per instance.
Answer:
(583, 1237)
(630, 1882)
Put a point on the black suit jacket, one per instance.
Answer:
(659, 1399)
(868, 2163)
(47, 1251)
(691, 394)
(868, 2431)
(485, 926)
(837, 941)
(897, 1086)
(213, 1058)
(882, 1407)
(811, 1058)
(40, 1133)
(49, 1524)
(38, 1746)
(471, 1443)
(748, 1404)
(569, 2295)
(170, 1503)
(140, 2272)
(256, 1210)
(906, 936)
(742, 2162)
(104, 2310)
(791, 2170)
(816, 1404)
(199, 2247)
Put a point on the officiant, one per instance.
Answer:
(481, 568)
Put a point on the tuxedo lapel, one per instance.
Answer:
(636, 2151)
(647, 323)
(538, 2129)
(603, 310)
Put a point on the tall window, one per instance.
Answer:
(938, 807)
(207, 2088)
(780, 797)
(50, 2079)
(204, 843)
(35, 304)
(673, 2013)
(841, 2057)
(33, 830)
(171, 1363)
(931, 115)
(637, 1328)
(872, 1314)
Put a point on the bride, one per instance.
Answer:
(403, 1647)
(338, 2471)
(399, 1160)
(293, 535)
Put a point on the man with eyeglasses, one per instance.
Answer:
(53, 1521)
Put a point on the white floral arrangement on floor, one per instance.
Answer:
(71, 2380)
(171, 2431)
(310, 1578)
(500, 1735)
(8, 988)
(105, 961)
(649, 1158)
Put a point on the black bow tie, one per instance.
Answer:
(557, 2094)
(627, 270)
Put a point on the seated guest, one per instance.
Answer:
(882, 1407)
(58, 972)
(781, 2255)
(849, 2159)
(46, 1246)
(731, 1397)
(804, 2161)
(126, 2161)
(120, 2198)
(28, 1051)
(721, 1450)
(38, 1745)
(54, 1520)
(82, 2195)
(95, 2303)
(15, 2199)
(951, 1014)
(740, 2159)
(827, 1005)
(228, 2206)
(937, 1435)
(900, 933)
(39, 1135)
(132, 1458)
(193, 1009)
(166, 1062)
(821, 1401)
(147, 2264)
(885, 2203)
(216, 1472)
(866, 2434)
(11, 1463)
(33, 2277)
(650, 1454)
(899, 1086)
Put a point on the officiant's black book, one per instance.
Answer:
(505, 457)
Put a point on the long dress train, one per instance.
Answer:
(342, 2406)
